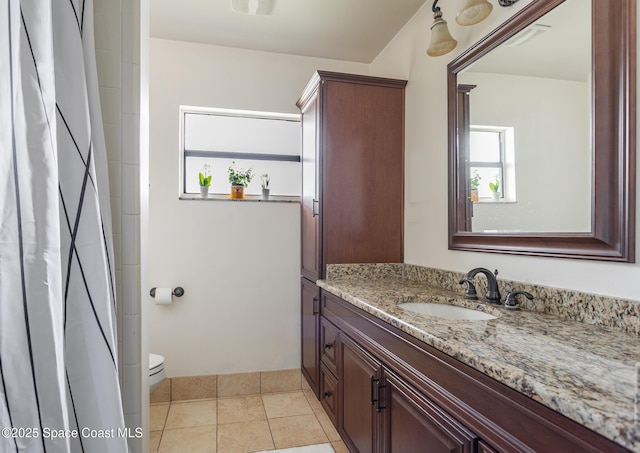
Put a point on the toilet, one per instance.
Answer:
(156, 371)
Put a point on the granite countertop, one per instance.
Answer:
(584, 372)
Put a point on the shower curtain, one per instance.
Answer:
(59, 389)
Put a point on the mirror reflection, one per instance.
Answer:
(527, 131)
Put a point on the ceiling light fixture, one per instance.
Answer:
(527, 34)
(254, 7)
(474, 11)
(441, 40)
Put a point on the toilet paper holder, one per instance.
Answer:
(178, 291)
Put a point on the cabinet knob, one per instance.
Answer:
(327, 394)
(328, 346)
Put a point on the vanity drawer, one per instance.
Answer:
(329, 394)
(484, 448)
(328, 344)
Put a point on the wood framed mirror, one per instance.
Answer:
(606, 187)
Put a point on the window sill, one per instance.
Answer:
(247, 198)
(490, 201)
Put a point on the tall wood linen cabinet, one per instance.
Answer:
(352, 190)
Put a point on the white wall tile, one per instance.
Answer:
(112, 137)
(115, 179)
(131, 31)
(130, 139)
(130, 88)
(136, 32)
(130, 189)
(117, 250)
(111, 105)
(131, 393)
(109, 7)
(108, 31)
(130, 239)
(133, 421)
(109, 68)
(127, 41)
(131, 289)
(116, 212)
(130, 327)
(115, 34)
(119, 286)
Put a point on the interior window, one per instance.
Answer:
(266, 142)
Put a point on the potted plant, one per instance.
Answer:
(204, 179)
(474, 182)
(495, 187)
(239, 179)
(265, 185)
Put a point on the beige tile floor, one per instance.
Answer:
(242, 424)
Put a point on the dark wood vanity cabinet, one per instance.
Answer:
(381, 412)
(396, 394)
(352, 171)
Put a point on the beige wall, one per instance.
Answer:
(238, 262)
(552, 167)
(426, 166)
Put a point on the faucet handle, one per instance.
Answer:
(470, 290)
(511, 302)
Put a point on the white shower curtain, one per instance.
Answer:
(59, 389)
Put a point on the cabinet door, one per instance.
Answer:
(310, 325)
(359, 379)
(362, 172)
(310, 234)
(415, 424)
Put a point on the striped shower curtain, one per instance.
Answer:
(59, 389)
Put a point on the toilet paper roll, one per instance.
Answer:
(163, 296)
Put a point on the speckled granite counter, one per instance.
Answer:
(585, 372)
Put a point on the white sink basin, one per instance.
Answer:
(446, 311)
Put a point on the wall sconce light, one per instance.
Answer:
(474, 11)
(441, 40)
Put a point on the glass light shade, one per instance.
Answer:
(473, 12)
(441, 40)
(254, 7)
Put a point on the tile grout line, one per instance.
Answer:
(301, 388)
(270, 430)
(217, 417)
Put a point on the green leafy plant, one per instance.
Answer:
(494, 186)
(475, 179)
(204, 177)
(264, 177)
(240, 177)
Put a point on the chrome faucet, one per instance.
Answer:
(493, 294)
